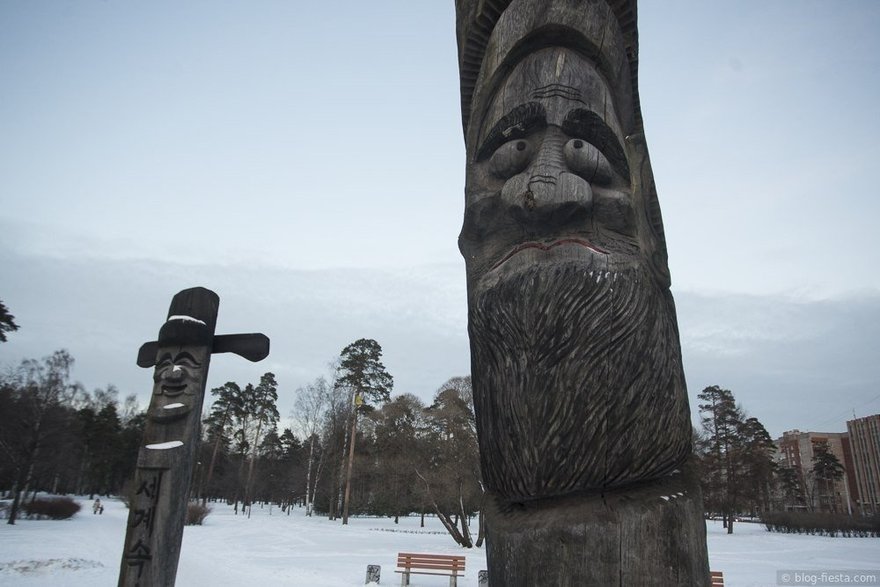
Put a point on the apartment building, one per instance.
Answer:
(864, 439)
(796, 450)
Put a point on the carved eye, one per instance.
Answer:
(588, 162)
(511, 158)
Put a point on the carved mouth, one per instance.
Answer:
(169, 412)
(173, 390)
(547, 246)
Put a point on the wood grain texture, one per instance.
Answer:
(579, 392)
(157, 510)
(645, 535)
(476, 21)
(577, 382)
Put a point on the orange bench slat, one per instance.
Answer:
(432, 564)
(441, 562)
(437, 556)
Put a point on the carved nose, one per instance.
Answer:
(548, 165)
(174, 373)
(547, 193)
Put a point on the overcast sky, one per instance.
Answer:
(305, 161)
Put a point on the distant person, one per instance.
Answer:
(97, 507)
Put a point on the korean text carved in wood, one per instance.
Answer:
(157, 509)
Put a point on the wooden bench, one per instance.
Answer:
(717, 578)
(430, 564)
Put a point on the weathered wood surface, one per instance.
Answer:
(641, 536)
(157, 509)
(579, 391)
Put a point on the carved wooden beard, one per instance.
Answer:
(577, 380)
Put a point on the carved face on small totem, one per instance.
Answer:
(575, 360)
(177, 379)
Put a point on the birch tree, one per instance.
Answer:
(310, 407)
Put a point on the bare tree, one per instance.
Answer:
(41, 388)
(335, 444)
(451, 475)
(310, 407)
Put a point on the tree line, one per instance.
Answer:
(352, 448)
(739, 471)
(60, 438)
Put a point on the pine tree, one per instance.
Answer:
(735, 455)
(264, 412)
(361, 372)
(7, 322)
(242, 437)
(827, 469)
(721, 420)
(790, 485)
(399, 429)
(106, 450)
(758, 466)
(223, 411)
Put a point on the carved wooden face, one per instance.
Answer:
(574, 351)
(549, 180)
(177, 380)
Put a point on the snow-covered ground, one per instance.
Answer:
(272, 548)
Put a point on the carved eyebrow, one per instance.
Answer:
(186, 356)
(589, 126)
(518, 123)
(558, 90)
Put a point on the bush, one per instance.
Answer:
(196, 514)
(821, 524)
(56, 508)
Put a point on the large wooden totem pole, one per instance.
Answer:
(157, 510)
(582, 411)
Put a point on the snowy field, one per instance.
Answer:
(273, 549)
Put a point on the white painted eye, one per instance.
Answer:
(511, 158)
(588, 162)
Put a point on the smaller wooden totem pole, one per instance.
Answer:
(157, 508)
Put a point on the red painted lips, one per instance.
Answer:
(548, 246)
